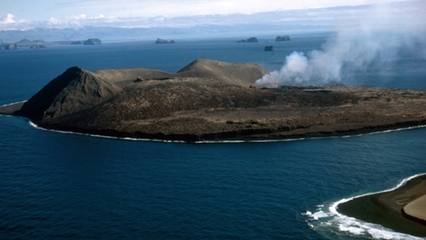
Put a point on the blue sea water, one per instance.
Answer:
(71, 186)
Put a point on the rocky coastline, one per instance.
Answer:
(210, 100)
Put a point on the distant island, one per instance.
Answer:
(92, 41)
(42, 44)
(162, 41)
(8, 46)
(252, 39)
(282, 38)
(213, 100)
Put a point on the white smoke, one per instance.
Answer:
(374, 36)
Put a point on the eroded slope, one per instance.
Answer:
(212, 100)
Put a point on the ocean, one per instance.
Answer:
(57, 185)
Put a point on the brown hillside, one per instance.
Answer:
(211, 100)
(75, 90)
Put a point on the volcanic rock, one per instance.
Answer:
(36, 46)
(213, 100)
(282, 38)
(226, 73)
(252, 39)
(92, 41)
(75, 90)
(160, 41)
(7, 46)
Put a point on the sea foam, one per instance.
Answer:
(327, 220)
(10, 104)
(225, 141)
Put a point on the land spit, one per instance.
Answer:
(389, 209)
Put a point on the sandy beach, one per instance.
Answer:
(397, 209)
(416, 209)
(11, 108)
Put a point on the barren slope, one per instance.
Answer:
(211, 100)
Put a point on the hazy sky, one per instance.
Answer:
(39, 10)
(23, 14)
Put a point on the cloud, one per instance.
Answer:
(102, 20)
(8, 22)
(184, 14)
(179, 8)
(9, 18)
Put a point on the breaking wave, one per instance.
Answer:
(326, 220)
(10, 104)
(223, 141)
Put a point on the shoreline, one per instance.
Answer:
(209, 100)
(9, 109)
(251, 135)
(228, 140)
(386, 208)
(375, 207)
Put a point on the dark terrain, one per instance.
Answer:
(212, 100)
(386, 208)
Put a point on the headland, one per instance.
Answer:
(402, 209)
(213, 100)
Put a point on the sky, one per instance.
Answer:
(24, 15)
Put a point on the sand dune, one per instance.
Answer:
(417, 209)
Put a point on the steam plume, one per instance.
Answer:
(374, 37)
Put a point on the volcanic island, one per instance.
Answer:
(210, 100)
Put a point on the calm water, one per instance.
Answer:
(55, 185)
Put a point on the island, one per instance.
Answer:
(162, 41)
(36, 44)
(28, 43)
(402, 209)
(269, 48)
(282, 38)
(252, 39)
(92, 41)
(210, 100)
(8, 46)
